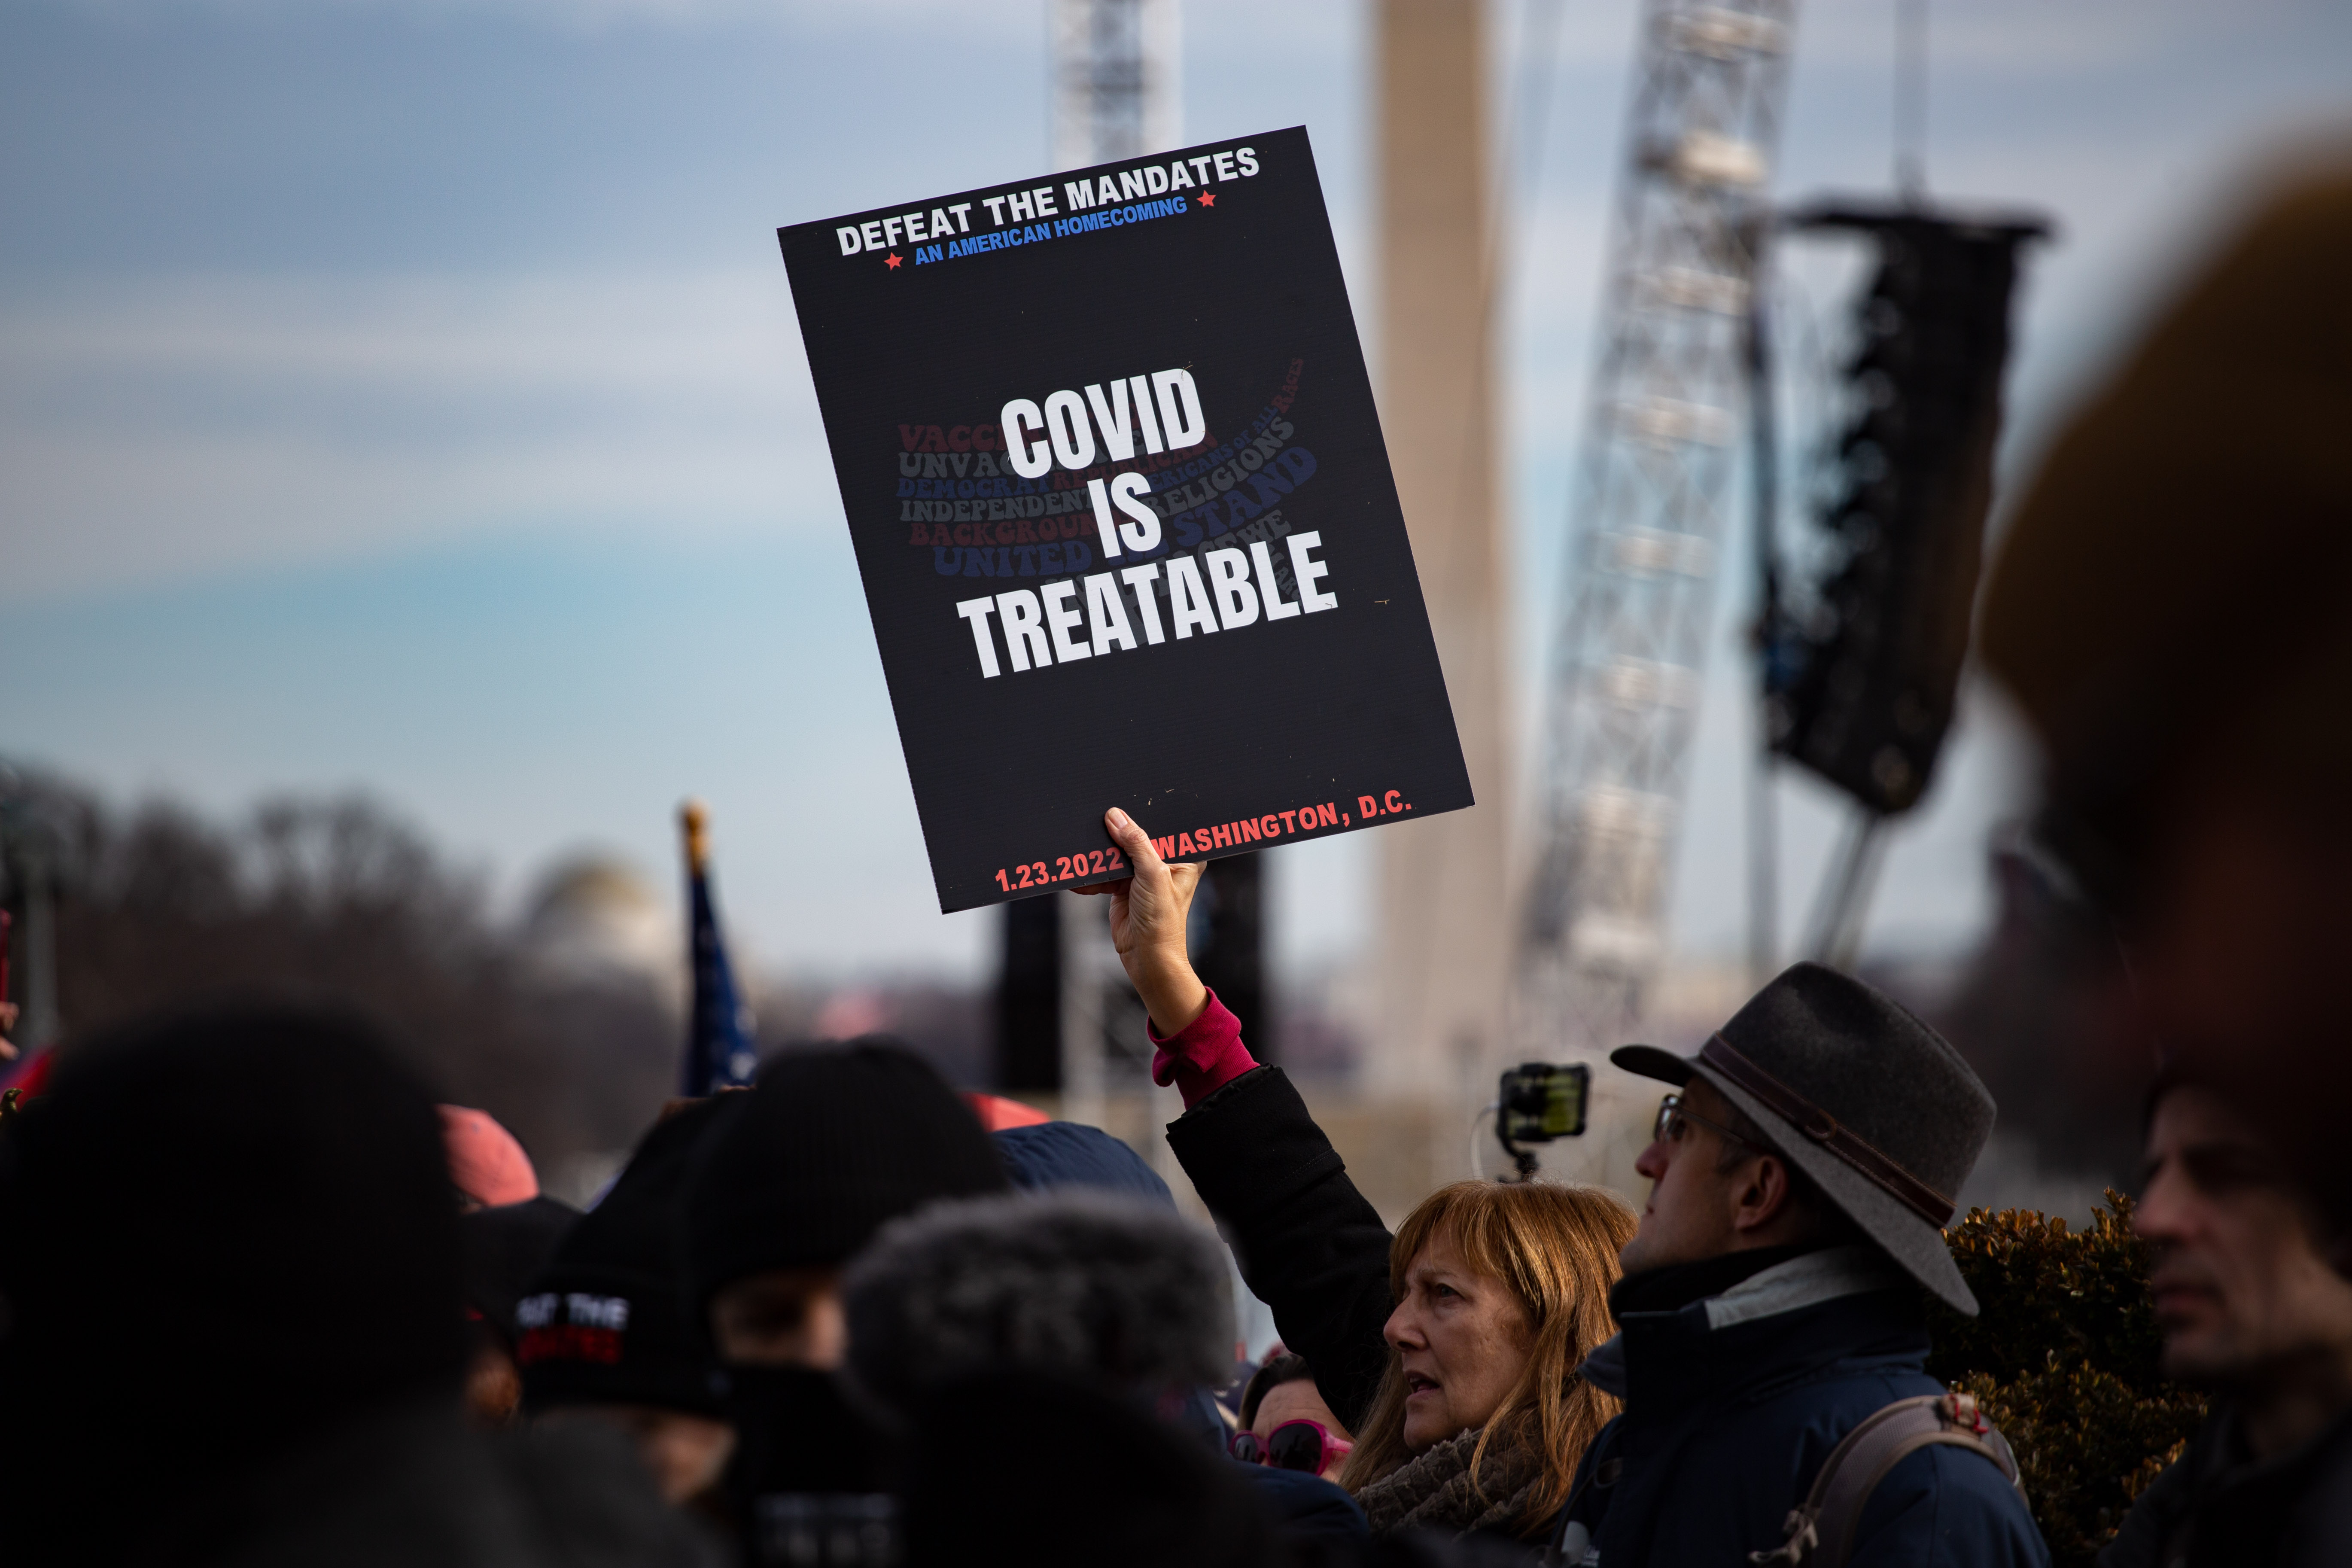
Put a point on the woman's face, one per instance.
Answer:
(1462, 1340)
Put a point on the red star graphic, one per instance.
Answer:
(892, 260)
(1208, 198)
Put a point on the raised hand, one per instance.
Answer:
(1148, 910)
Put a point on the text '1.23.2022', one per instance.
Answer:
(1086, 865)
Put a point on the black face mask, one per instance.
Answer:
(810, 1482)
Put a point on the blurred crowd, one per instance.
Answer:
(265, 1300)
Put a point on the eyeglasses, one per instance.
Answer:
(1300, 1444)
(1672, 1115)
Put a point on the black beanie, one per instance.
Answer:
(828, 1148)
(219, 1232)
(506, 1248)
(606, 1321)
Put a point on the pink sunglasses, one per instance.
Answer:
(1300, 1444)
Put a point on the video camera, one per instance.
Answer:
(1538, 1102)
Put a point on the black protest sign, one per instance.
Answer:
(1127, 527)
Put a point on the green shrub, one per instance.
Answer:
(2063, 1360)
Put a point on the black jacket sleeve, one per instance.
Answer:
(2155, 1517)
(1309, 1245)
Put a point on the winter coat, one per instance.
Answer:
(1308, 1509)
(1733, 1401)
(2219, 1505)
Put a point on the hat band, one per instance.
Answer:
(1829, 1132)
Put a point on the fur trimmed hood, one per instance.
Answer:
(1098, 1286)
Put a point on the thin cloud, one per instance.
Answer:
(168, 428)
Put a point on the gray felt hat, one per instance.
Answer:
(1861, 1096)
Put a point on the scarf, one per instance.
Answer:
(1433, 1490)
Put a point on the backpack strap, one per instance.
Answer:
(1821, 1531)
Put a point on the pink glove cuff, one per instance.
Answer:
(1202, 1056)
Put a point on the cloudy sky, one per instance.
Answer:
(406, 395)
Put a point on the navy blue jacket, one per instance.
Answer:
(1733, 1401)
(1311, 1510)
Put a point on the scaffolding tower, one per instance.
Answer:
(1117, 80)
(1663, 427)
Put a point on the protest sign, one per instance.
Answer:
(1127, 527)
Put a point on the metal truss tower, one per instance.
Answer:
(1117, 78)
(1664, 425)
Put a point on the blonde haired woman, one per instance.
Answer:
(1451, 1352)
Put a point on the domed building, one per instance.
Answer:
(595, 919)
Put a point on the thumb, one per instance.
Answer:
(1151, 898)
(1136, 844)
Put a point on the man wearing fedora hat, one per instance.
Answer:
(1801, 1178)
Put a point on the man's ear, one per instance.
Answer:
(1760, 1195)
